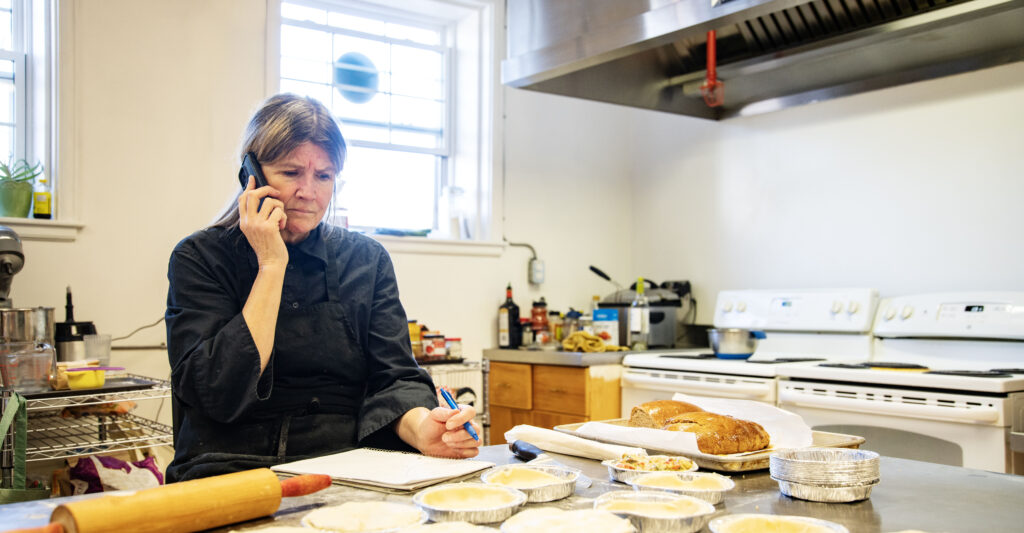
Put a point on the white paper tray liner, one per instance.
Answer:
(554, 441)
(786, 429)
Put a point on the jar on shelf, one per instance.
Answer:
(527, 332)
(453, 346)
(433, 346)
(414, 338)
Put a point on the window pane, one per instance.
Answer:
(365, 133)
(410, 138)
(389, 189)
(6, 30)
(318, 91)
(416, 112)
(296, 12)
(7, 102)
(375, 111)
(304, 69)
(417, 72)
(305, 44)
(7, 142)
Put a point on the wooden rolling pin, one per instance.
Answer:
(186, 506)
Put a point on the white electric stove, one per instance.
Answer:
(801, 326)
(945, 382)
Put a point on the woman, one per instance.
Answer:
(285, 335)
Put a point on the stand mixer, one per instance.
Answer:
(34, 324)
(11, 262)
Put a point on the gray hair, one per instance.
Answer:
(282, 123)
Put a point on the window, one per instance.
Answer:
(26, 77)
(13, 132)
(409, 82)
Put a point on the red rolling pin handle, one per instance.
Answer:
(304, 484)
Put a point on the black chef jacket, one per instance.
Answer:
(340, 373)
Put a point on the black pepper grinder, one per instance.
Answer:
(70, 334)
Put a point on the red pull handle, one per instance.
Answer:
(712, 89)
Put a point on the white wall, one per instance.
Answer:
(158, 94)
(912, 189)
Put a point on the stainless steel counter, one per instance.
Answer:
(544, 357)
(912, 495)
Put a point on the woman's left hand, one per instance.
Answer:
(439, 431)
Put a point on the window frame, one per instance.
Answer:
(37, 28)
(479, 167)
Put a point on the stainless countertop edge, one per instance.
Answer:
(544, 357)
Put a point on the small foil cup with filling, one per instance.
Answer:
(766, 522)
(477, 503)
(663, 481)
(826, 493)
(657, 511)
(616, 472)
(539, 483)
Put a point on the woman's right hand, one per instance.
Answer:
(262, 225)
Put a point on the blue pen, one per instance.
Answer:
(453, 405)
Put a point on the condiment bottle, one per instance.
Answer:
(555, 325)
(508, 322)
(41, 201)
(639, 319)
(539, 315)
(527, 333)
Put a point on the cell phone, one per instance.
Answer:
(251, 167)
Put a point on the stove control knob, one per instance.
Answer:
(727, 307)
(853, 307)
(890, 313)
(741, 307)
(906, 312)
(837, 306)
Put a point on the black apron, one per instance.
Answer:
(319, 374)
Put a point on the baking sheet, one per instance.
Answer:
(121, 384)
(739, 462)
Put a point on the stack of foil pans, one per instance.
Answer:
(832, 475)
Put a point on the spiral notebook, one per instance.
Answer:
(384, 469)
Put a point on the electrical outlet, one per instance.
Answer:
(536, 271)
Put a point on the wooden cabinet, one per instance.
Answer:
(549, 395)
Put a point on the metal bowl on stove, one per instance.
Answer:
(734, 343)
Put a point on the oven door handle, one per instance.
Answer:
(673, 385)
(974, 414)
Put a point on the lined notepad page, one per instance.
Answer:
(385, 468)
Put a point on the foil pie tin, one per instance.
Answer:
(649, 523)
(712, 496)
(730, 523)
(481, 515)
(625, 475)
(824, 493)
(544, 493)
(824, 465)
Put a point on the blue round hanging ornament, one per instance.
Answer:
(356, 70)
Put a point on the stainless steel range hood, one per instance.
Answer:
(772, 54)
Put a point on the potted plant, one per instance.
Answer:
(16, 181)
